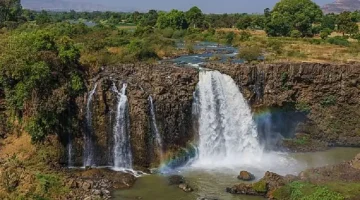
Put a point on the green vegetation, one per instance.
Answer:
(299, 190)
(328, 101)
(260, 186)
(293, 17)
(303, 107)
(250, 53)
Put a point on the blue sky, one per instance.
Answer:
(208, 6)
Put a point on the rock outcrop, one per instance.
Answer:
(311, 105)
(172, 91)
(341, 5)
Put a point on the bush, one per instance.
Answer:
(179, 34)
(315, 41)
(303, 107)
(250, 54)
(189, 46)
(275, 46)
(244, 36)
(230, 38)
(328, 101)
(324, 35)
(167, 32)
(338, 40)
(295, 34)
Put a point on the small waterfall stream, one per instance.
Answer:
(88, 136)
(122, 149)
(155, 130)
(70, 151)
(227, 131)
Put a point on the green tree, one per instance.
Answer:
(290, 15)
(244, 22)
(41, 76)
(174, 19)
(328, 21)
(43, 17)
(149, 19)
(346, 24)
(10, 10)
(195, 17)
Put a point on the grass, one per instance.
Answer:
(299, 190)
(287, 49)
(348, 190)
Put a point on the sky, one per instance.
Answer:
(207, 6)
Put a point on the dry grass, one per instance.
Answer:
(20, 146)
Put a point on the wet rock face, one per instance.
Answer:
(321, 100)
(171, 89)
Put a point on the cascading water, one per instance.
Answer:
(122, 149)
(88, 136)
(155, 129)
(227, 131)
(70, 151)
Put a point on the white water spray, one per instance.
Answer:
(122, 148)
(155, 129)
(89, 146)
(70, 151)
(227, 131)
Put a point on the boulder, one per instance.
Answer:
(186, 187)
(246, 176)
(87, 185)
(207, 198)
(176, 180)
(355, 163)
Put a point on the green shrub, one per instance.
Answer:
(250, 53)
(295, 34)
(230, 38)
(338, 40)
(328, 101)
(244, 36)
(296, 53)
(178, 34)
(275, 46)
(315, 41)
(303, 107)
(167, 32)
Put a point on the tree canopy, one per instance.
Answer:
(174, 19)
(289, 15)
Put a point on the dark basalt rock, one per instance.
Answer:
(176, 180)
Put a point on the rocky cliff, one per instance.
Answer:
(311, 101)
(172, 91)
(317, 104)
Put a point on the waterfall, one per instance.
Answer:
(88, 136)
(70, 151)
(227, 131)
(155, 129)
(122, 149)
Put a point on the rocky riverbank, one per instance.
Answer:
(330, 182)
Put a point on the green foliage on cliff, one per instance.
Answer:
(328, 101)
(40, 73)
(260, 186)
